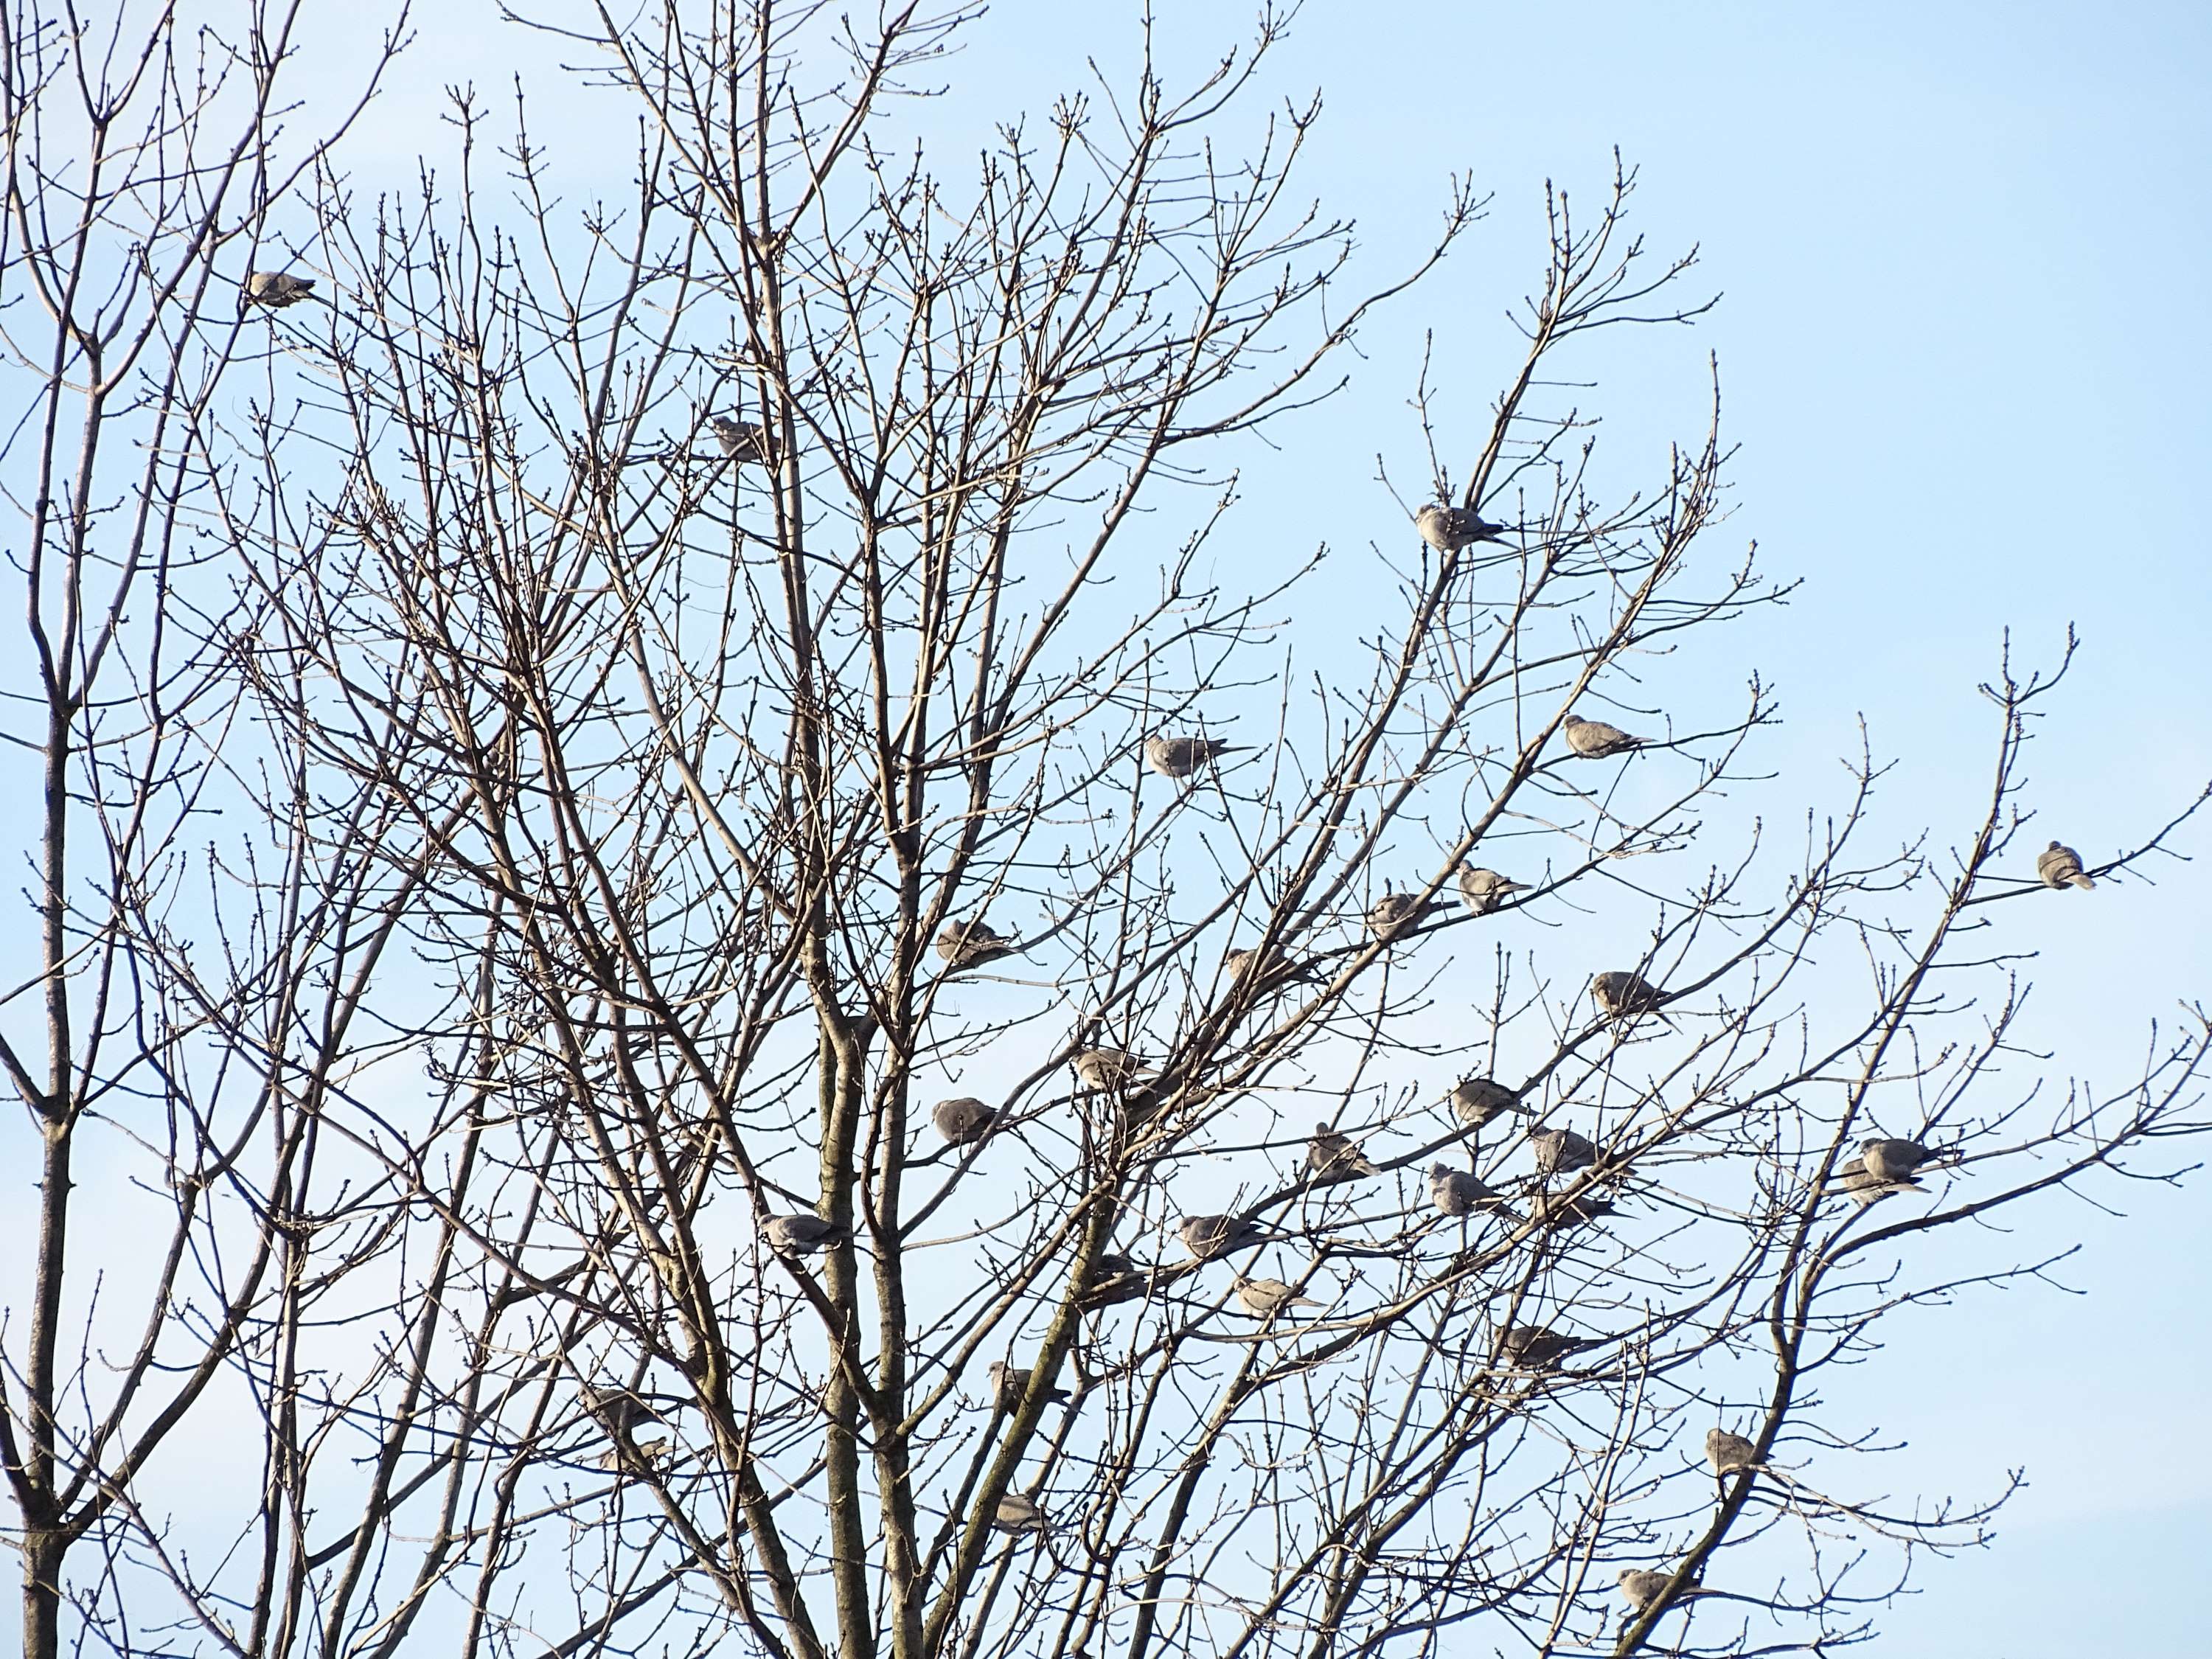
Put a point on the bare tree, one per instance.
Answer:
(800, 1031)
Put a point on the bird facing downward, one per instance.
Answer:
(1594, 740)
(1179, 758)
(2061, 867)
(1448, 529)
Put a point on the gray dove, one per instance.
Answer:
(801, 1235)
(1459, 1192)
(741, 440)
(1643, 1588)
(1729, 1454)
(1009, 1384)
(1620, 994)
(1448, 529)
(972, 944)
(1483, 890)
(1534, 1346)
(1179, 758)
(963, 1121)
(1553, 1211)
(1399, 913)
(1332, 1156)
(1107, 1068)
(1560, 1151)
(1864, 1188)
(1594, 740)
(1208, 1237)
(1266, 1296)
(624, 1414)
(1274, 965)
(1016, 1514)
(273, 288)
(1893, 1160)
(1476, 1100)
(2061, 866)
(653, 1454)
(1114, 1279)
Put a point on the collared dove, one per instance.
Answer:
(1620, 994)
(1109, 1068)
(1015, 1513)
(1476, 1100)
(1448, 529)
(801, 1235)
(1553, 1211)
(624, 1414)
(2061, 866)
(1274, 965)
(1894, 1160)
(1114, 1279)
(653, 1454)
(1209, 1236)
(741, 440)
(1536, 1346)
(1594, 740)
(1399, 913)
(274, 288)
(1483, 890)
(1729, 1454)
(1332, 1156)
(1263, 1296)
(1009, 1384)
(1459, 1192)
(1863, 1188)
(1179, 758)
(1558, 1151)
(1643, 1588)
(963, 1121)
(972, 944)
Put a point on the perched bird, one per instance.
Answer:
(1863, 1188)
(1208, 1237)
(653, 1454)
(1559, 1152)
(1643, 1588)
(1483, 890)
(1894, 1160)
(1553, 1211)
(1622, 994)
(1332, 1156)
(1107, 1068)
(801, 1235)
(1009, 1384)
(1267, 1295)
(1459, 1192)
(1594, 740)
(972, 944)
(1179, 758)
(1729, 1454)
(1114, 1279)
(963, 1121)
(1448, 529)
(273, 288)
(2061, 866)
(1476, 1100)
(741, 440)
(1016, 1514)
(1536, 1346)
(1399, 913)
(624, 1414)
(1251, 963)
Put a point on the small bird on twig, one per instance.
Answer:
(1643, 1588)
(1263, 1296)
(1332, 1156)
(802, 1235)
(1460, 1192)
(1016, 1514)
(1210, 1237)
(1009, 1383)
(1476, 1100)
(1594, 740)
(1483, 890)
(1448, 529)
(963, 1121)
(972, 944)
(2061, 866)
(1396, 914)
(274, 289)
(1179, 758)
(741, 440)
(1561, 1152)
(1621, 995)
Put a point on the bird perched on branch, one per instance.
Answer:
(1107, 1068)
(1016, 1514)
(1273, 964)
(1622, 995)
(1263, 1296)
(2061, 866)
(1179, 758)
(1483, 890)
(963, 1121)
(802, 1235)
(1862, 1187)
(1394, 913)
(1536, 1346)
(1476, 1100)
(1448, 529)
(1460, 1192)
(1561, 1152)
(741, 440)
(1594, 740)
(1114, 1279)
(1895, 1160)
(1009, 1384)
(1643, 1588)
(1332, 1156)
(274, 289)
(623, 1413)
(1554, 1211)
(972, 944)
(1209, 1236)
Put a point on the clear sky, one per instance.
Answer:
(1965, 346)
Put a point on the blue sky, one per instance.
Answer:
(1964, 345)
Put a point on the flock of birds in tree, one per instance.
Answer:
(1884, 1166)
